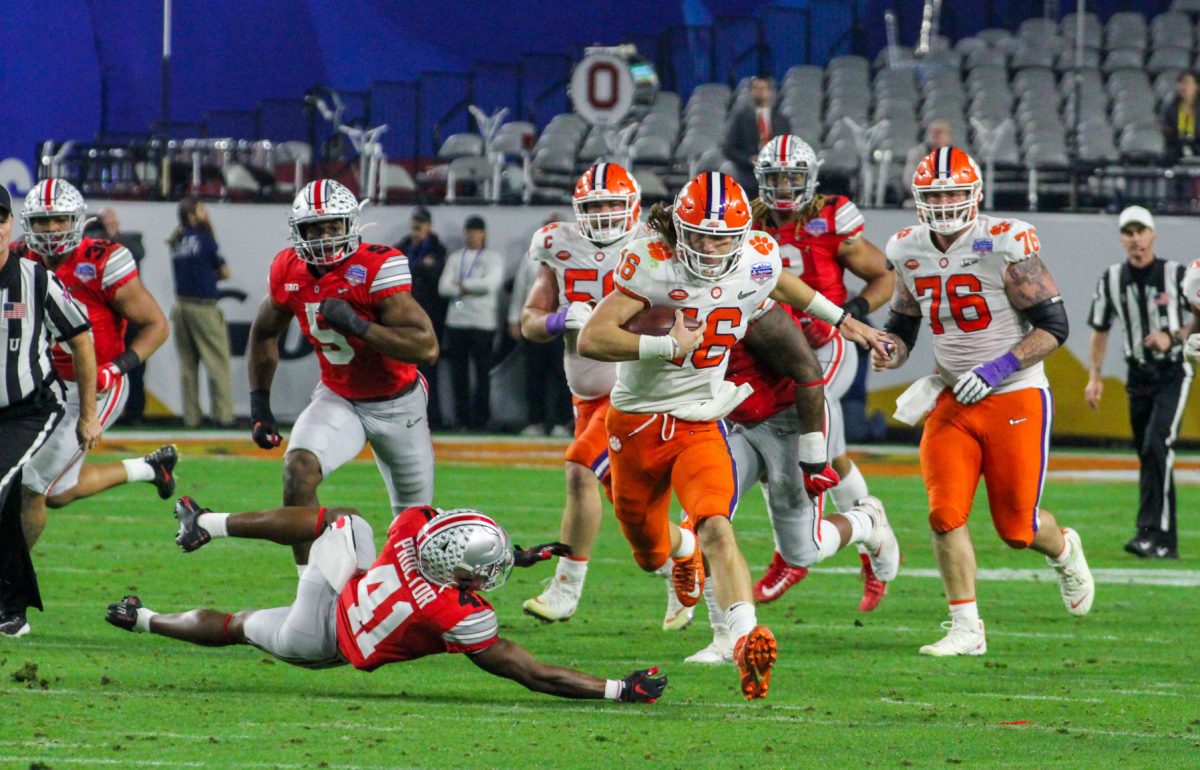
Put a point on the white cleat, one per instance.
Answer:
(960, 639)
(1074, 578)
(677, 616)
(558, 602)
(883, 549)
(718, 652)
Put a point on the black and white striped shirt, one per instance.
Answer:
(37, 312)
(1144, 300)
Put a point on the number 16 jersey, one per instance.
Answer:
(349, 367)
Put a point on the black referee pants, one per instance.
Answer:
(25, 428)
(1157, 396)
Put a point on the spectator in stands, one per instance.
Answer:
(547, 398)
(938, 134)
(196, 322)
(472, 280)
(751, 127)
(107, 226)
(1179, 119)
(426, 259)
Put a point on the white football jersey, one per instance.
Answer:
(650, 273)
(962, 294)
(585, 274)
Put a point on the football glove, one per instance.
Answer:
(577, 315)
(265, 431)
(106, 377)
(527, 557)
(339, 316)
(977, 383)
(819, 479)
(642, 686)
(1191, 347)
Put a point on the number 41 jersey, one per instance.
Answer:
(349, 367)
(390, 614)
(962, 294)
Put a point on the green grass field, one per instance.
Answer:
(1116, 689)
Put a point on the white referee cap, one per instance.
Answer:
(1135, 215)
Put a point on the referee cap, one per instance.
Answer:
(1135, 215)
(5, 200)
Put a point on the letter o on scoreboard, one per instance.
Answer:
(602, 89)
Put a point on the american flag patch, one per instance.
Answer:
(14, 309)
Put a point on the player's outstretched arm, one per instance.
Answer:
(1032, 290)
(603, 339)
(900, 331)
(778, 342)
(865, 260)
(404, 331)
(790, 290)
(512, 661)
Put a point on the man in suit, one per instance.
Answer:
(750, 128)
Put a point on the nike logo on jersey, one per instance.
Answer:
(744, 294)
(343, 290)
(1011, 421)
(414, 422)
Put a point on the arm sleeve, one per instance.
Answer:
(475, 632)
(393, 276)
(1101, 313)
(63, 315)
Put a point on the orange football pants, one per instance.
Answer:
(590, 447)
(1006, 439)
(653, 454)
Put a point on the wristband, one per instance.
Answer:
(812, 448)
(260, 404)
(821, 308)
(126, 361)
(613, 689)
(556, 323)
(663, 348)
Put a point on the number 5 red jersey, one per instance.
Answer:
(349, 367)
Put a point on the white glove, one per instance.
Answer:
(1191, 347)
(971, 388)
(577, 315)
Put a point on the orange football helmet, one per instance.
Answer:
(711, 204)
(948, 170)
(606, 183)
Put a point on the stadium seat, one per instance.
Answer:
(1171, 29)
(995, 36)
(653, 189)
(651, 150)
(710, 160)
(1123, 58)
(554, 160)
(1142, 144)
(470, 170)
(596, 145)
(1168, 58)
(1046, 156)
(1185, 6)
(1067, 60)
(461, 146)
(1126, 29)
(1092, 31)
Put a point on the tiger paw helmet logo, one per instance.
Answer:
(614, 443)
(761, 244)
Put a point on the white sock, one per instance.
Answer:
(965, 613)
(571, 570)
(143, 619)
(862, 525)
(138, 470)
(716, 615)
(831, 540)
(1061, 559)
(687, 544)
(851, 487)
(740, 619)
(213, 523)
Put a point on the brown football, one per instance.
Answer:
(656, 321)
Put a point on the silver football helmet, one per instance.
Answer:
(53, 198)
(464, 549)
(786, 171)
(324, 200)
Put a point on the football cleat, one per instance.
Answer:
(1074, 578)
(677, 617)
(13, 624)
(1140, 545)
(719, 651)
(163, 460)
(191, 535)
(688, 575)
(873, 587)
(882, 549)
(558, 602)
(754, 654)
(960, 639)
(123, 614)
(778, 578)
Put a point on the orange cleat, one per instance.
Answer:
(873, 588)
(687, 575)
(778, 578)
(754, 654)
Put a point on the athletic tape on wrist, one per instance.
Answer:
(663, 348)
(812, 448)
(613, 688)
(822, 308)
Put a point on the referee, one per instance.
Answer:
(1145, 294)
(37, 311)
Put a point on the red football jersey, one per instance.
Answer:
(349, 367)
(92, 274)
(390, 614)
(811, 252)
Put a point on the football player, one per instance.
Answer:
(575, 271)
(820, 238)
(419, 597)
(670, 394)
(994, 312)
(353, 301)
(102, 277)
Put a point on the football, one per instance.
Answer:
(656, 321)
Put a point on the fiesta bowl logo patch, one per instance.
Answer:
(563, 255)
(85, 271)
(982, 246)
(911, 264)
(677, 294)
(356, 275)
(817, 227)
(761, 272)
